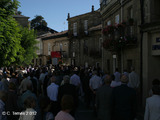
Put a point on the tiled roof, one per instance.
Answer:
(20, 16)
(55, 35)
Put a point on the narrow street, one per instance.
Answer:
(84, 113)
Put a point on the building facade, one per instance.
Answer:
(121, 34)
(85, 39)
(56, 42)
(150, 29)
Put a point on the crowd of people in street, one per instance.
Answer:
(53, 93)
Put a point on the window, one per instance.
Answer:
(109, 22)
(100, 45)
(65, 44)
(61, 46)
(129, 65)
(75, 29)
(117, 19)
(86, 26)
(108, 65)
(49, 49)
(130, 12)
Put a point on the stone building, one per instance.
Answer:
(22, 20)
(121, 34)
(84, 32)
(56, 42)
(150, 30)
(42, 31)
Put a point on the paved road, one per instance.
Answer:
(84, 113)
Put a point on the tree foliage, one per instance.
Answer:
(8, 7)
(9, 33)
(28, 43)
(37, 21)
(17, 44)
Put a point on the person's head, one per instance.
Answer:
(132, 68)
(67, 102)
(156, 82)
(3, 96)
(107, 80)
(94, 72)
(12, 86)
(30, 102)
(25, 75)
(156, 90)
(66, 79)
(53, 79)
(124, 79)
(29, 86)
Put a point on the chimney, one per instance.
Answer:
(68, 15)
(92, 8)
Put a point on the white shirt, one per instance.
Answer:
(117, 76)
(63, 116)
(115, 84)
(29, 114)
(95, 82)
(133, 80)
(42, 77)
(23, 85)
(52, 91)
(75, 80)
(152, 110)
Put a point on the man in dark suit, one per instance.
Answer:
(68, 89)
(124, 101)
(103, 100)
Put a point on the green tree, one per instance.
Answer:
(8, 7)
(28, 43)
(17, 44)
(37, 21)
(10, 36)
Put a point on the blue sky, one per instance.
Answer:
(55, 11)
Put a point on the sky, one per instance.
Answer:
(55, 12)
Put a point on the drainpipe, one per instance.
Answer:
(121, 47)
(141, 49)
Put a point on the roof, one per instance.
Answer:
(97, 11)
(98, 27)
(56, 35)
(41, 29)
(20, 16)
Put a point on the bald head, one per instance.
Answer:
(107, 79)
(124, 79)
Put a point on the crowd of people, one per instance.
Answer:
(53, 92)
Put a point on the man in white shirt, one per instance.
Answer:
(117, 75)
(52, 93)
(75, 79)
(133, 79)
(52, 89)
(94, 83)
